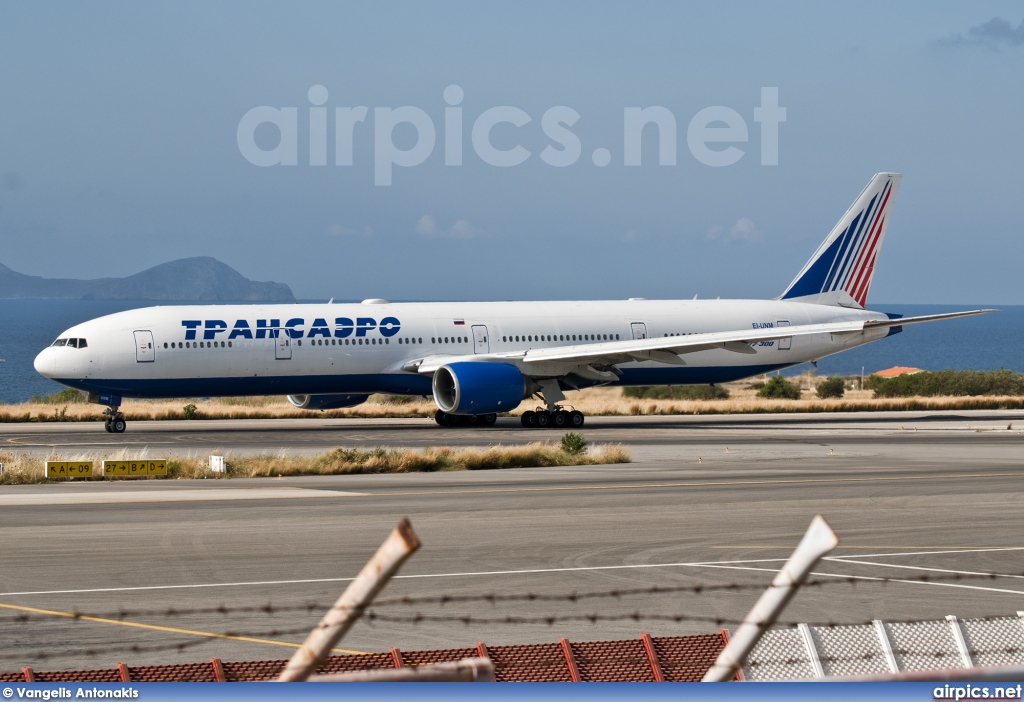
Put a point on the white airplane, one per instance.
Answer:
(481, 358)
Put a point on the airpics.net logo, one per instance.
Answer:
(712, 134)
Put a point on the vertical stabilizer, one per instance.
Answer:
(840, 271)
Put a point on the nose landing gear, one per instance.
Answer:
(114, 422)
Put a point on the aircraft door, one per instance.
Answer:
(639, 330)
(282, 348)
(480, 342)
(145, 351)
(787, 343)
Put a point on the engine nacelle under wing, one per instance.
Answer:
(468, 387)
(326, 402)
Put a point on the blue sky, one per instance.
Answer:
(119, 148)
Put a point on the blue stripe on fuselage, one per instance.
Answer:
(390, 383)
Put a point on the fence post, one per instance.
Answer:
(400, 544)
(819, 540)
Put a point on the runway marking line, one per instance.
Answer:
(167, 629)
(877, 579)
(962, 549)
(527, 571)
(698, 484)
(933, 570)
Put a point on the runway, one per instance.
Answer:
(714, 501)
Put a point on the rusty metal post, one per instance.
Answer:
(400, 544)
(466, 670)
(819, 540)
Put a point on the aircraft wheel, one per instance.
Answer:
(576, 419)
(441, 418)
(118, 425)
(541, 419)
(490, 419)
(106, 425)
(473, 419)
(560, 419)
(527, 418)
(454, 420)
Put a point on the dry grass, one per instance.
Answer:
(21, 469)
(593, 402)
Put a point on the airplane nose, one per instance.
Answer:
(45, 363)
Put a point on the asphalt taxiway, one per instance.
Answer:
(707, 500)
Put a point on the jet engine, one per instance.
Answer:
(472, 387)
(326, 402)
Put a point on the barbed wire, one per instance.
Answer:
(496, 598)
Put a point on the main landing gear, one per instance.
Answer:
(464, 420)
(114, 421)
(557, 418)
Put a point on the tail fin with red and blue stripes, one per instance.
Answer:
(840, 271)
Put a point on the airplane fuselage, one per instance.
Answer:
(225, 350)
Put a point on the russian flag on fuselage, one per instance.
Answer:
(842, 268)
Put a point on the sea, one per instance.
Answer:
(985, 342)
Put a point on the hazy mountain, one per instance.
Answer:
(200, 279)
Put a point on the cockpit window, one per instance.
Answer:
(73, 343)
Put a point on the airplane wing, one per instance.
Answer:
(669, 349)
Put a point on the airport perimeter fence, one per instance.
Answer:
(800, 652)
(763, 647)
(646, 659)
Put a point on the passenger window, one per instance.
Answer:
(229, 344)
(165, 344)
(387, 341)
(432, 340)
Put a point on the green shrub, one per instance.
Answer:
(834, 386)
(190, 411)
(778, 388)
(61, 397)
(948, 382)
(676, 392)
(574, 444)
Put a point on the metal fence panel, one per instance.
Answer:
(924, 645)
(781, 654)
(995, 642)
(849, 650)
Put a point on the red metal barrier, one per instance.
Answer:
(647, 659)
